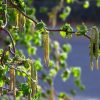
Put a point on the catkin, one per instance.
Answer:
(91, 54)
(20, 21)
(17, 20)
(96, 45)
(46, 46)
(12, 80)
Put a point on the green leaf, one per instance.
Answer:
(69, 1)
(19, 94)
(81, 29)
(73, 92)
(32, 50)
(51, 63)
(66, 48)
(66, 31)
(40, 26)
(76, 72)
(98, 3)
(1, 82)
(38, 65)
(61, 96)
(63, 56)
(77, 82)
(86, 4)
(65, 13)
(65, 75)
(82, 87)
(52, 72)
(25, 88)
(56, 44)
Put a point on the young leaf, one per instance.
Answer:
(76, 72)
(86, 4)
(40, 26)
(65, 75)
(81, 29)
(66, 31)
(65, 13)
(66, 48)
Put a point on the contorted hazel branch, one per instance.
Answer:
(7, 48)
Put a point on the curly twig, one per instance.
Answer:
(11, 38)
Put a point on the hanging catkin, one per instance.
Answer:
(91, 54)
(34, 77)
(20, 21)
(12, 80)
(96, 46)
(45, 38)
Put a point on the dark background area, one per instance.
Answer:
(78, 13)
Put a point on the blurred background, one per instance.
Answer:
(77, 13)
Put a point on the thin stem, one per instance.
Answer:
(57, 30)
(15, 6)
(11, 38)
(87, 36)
(34, 81)
(3, 54)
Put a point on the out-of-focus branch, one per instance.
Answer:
(11, 38)
(53, 14)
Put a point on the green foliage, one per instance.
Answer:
(66, 48)
(86, 4)
(76, 72)
(98, 3)
(66, 31)
(81, 29)
(27, 32)
(25, 89)
(38, 65)
(69, 1)
(65, 75)
(40, 26)
(66, 12)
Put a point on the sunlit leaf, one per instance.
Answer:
(69, 1)
(81, 29)
(98, 3)
(76, 72)
(65, 75)
(53, 72)
(38, 65)
(66, 48)
(65, 13)
(32, 50)
(40, 25)
(86, 4)
(66, 31)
